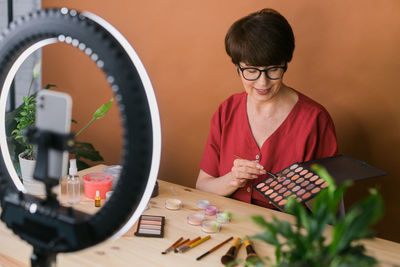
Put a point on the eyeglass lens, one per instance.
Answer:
(254, 74)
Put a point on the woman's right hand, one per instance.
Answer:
(244, 170)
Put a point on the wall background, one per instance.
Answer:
(346, 58)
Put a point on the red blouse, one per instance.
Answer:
(307, 133)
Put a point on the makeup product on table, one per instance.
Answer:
(300, 181)
(230, 255)
(173, 204)
(93, 182)
(97, 199)
(172, 246)
(198, 242)
(210, 227)
(73, 184)
(214, 248)
(195, 219)
(202, 204)
(173, 190)
(150, 226)
(222, 217)
(251, 254)
(186, 244)
(180, 244)
(108, 195)
(115, 171)
(211, 210)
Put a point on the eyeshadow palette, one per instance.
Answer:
(299, 181)
(150, 226)
(295, 180)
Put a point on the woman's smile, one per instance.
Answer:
(262, 91)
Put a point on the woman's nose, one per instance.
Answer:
(263, 79)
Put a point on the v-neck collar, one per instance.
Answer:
(251, 140)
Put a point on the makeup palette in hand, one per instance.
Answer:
(295, 180)
(299, 181)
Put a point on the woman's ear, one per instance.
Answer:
(237, 69)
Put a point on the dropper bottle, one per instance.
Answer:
(97, 199)
(73, 184)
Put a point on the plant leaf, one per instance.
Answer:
(48, 86)
(87, 151)
(101, 111)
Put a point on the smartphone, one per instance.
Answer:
(53, 113)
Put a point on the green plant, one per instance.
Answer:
(87, 150)
(304, 244)
(23, 117)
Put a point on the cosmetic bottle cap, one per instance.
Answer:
(97, 193)
(72, 167)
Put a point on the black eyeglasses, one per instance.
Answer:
(272, 73)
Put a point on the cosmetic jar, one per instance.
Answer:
(93, 182)
(195, 219)
(115, 171)
(222, 217)
(211, 210)
(210, 227)
(108, 195)
(173, 204)
(202, 204)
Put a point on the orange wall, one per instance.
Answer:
(346, 58)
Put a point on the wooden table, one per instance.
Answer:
(130, 250)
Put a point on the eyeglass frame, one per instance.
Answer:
(284, 67)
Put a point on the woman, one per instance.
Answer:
(270, 125)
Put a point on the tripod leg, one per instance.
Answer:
(41, 258)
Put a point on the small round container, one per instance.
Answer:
(93, 182)
(115, 171)
(173, 204)
(210, 227)
(108, 195)
(202, 204)
(195, 219)
(211, 210)
(222, 218)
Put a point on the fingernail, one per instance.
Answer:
(260, 166)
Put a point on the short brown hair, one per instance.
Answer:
(262, 38)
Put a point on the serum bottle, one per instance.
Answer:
(73, 184)
(97, 199)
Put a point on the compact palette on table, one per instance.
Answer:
(150, 226)
(300, 181)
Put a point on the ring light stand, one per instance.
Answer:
(49, 227)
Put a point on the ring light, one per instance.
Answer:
(66, 229)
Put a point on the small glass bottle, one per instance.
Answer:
(73, 184)
(97, 199)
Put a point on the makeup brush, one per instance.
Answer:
(198, 242)
(214, 248)
(179, 248)
(270, 173)
(251, 254)
(181, 244)
(172, 246)
(231, 253)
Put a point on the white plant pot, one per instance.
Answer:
(31, 185)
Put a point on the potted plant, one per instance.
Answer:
(22, 152)
(305, 243)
